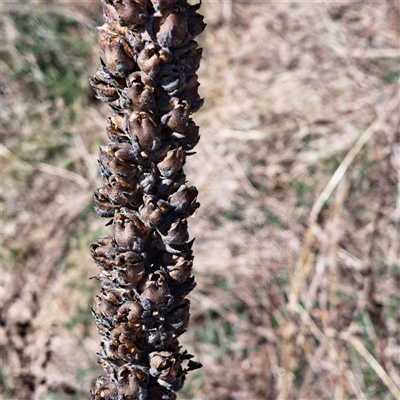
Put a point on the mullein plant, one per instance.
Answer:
(148, 78)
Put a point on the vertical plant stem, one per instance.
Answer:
(148, 78)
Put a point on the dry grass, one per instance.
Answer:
(298, 169)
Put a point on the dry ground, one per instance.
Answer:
(298, 169)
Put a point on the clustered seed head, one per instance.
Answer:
(148, 78)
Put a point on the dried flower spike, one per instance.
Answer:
(148, 78)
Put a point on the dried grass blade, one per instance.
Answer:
(300, 275)
(356, 343)
(314, 329)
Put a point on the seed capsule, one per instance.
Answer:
(179, 267)
(172, 78)
(172, 163)
(184, 200)
(131, 13)
(153, 211)
(196, 23)
(105, 389)
(122, 345)
(115, 131)
(151, 58)
(123, 152)
(132, 383)
(105, 86)
(138, 95)
(124, 191)
(177, 233)
(170, 185)
(103, 252)
(129, 316)
(105, 207)
(118, 57)
(178, 318)
(143, 128)
(118, 167)
(189, 138)
(147, 180)
(129, 232)
(178, 118)
(167, 369)
(190, 61)
(173, 30)
(155, 291)
(129, 268)
(190, 93)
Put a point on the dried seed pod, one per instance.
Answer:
(178, 318)
(155, 293)
(172, 163)
(143, 129)
(132, 382)
(178, 118)
(115, 131)
(104, 206)
(178, 266)
(122, 344)
(123, 191)
(184, 200)
(105, 389)
(105, 85)
(177, 233)
(151, 58)
(105, 307)
(139, 94)
(164, 103)
(153, 211)
(129, 267)
(151, 215)
(174, 29)
(128, 258)
(195, 23)
(103, 252)
(190, 93)
(123, 153)
(167, 369)
(113, 350)
(141, 79)
(148, 179)
(118, 57)
(189, 138)
(131, 13)
(120, 168)
(172, 78)
(190, 61)
(171, 185)
(129, 316)
(118, 54)
(129, 232)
